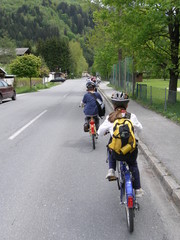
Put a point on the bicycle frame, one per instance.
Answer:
(92, 126)
(92, 131)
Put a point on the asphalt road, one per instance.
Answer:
(52, 183)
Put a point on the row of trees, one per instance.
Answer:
(53, 54)
(147, 30)
(62, 54)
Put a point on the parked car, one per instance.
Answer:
(58, 79)
(6, 91)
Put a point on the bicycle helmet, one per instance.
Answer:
(120, 99)
(90, 85)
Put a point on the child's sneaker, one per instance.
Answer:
(111, 176)
(139, 192)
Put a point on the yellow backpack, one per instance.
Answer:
(123, 139)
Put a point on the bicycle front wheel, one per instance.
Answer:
(130, 218)
(93, 141)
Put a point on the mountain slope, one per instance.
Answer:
(31, 20)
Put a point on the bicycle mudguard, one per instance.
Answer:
(92, 126)
(129, 188)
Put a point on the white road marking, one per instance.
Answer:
(20, 94)
(27, 125)
(65, 95)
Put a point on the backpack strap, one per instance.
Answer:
(132, 127)
(114, 128)
(128, 115)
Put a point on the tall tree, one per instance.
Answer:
(102, 41)
(56, 53)
(79, 63)
(150, 32)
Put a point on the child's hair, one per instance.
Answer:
(115, 115)
(120, 105)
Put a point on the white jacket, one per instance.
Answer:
(107, 126)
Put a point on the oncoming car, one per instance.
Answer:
(58, 79)
(6, 91)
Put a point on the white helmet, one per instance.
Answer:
(120, 99)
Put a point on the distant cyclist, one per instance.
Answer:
(120, 103)
(93, 79)
(95, 83)
(90, 106)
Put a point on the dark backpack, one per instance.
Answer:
(100, 105)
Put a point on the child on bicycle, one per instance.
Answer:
(90, 106)
(120, 103)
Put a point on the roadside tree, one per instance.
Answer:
(26, 66)
(78, 62)
(101, 40)
(147, 30)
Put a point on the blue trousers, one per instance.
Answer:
(131, 159)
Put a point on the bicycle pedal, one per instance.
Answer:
(112, 179)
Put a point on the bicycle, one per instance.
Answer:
(92, 127)
(92, 131)
(127, 193)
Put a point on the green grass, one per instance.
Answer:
(153, 97)
(24, 87)
(159, 83)
(172, 112)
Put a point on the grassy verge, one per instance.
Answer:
(26, 89)
(155, 99)
(22, 85)
(159, 83)
(171, 111)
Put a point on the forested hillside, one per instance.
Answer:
(27, 21)
(39, 24)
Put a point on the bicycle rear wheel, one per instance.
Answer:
(93, 141)
(130, 218)
(129, 208)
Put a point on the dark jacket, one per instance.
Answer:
(89, 101)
